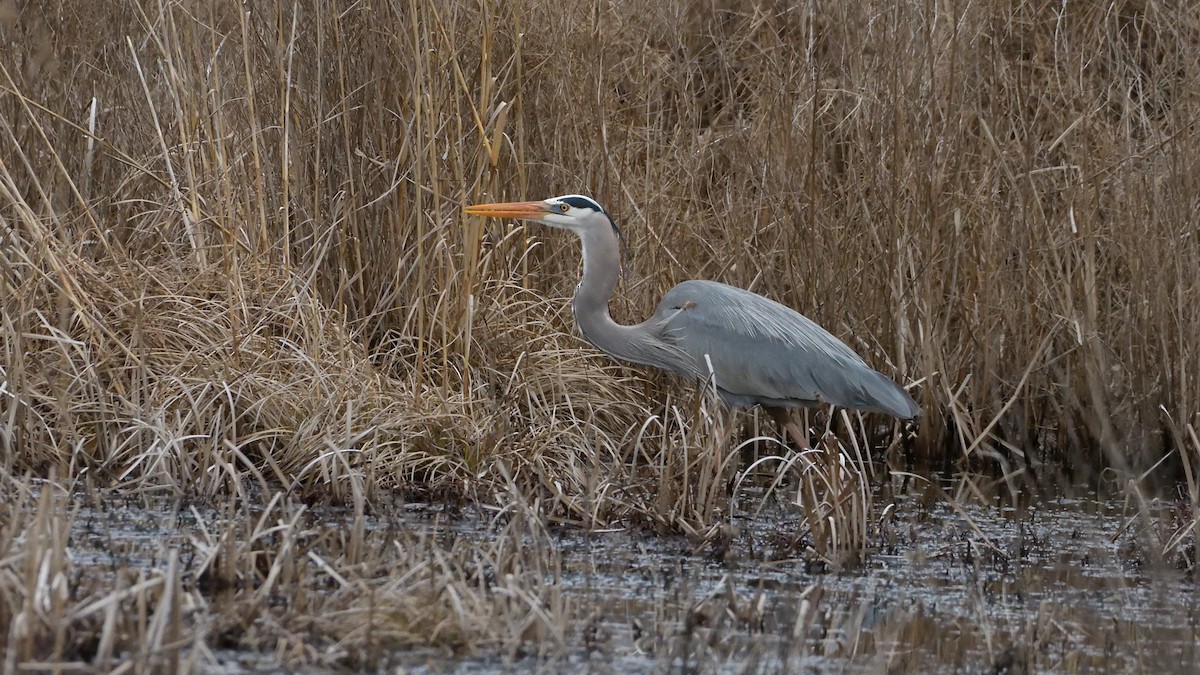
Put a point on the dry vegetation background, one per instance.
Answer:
(243, 233)
(232, 253)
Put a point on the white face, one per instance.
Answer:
(573, 212)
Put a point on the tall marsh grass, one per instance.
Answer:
(233, 251)
(234, 268)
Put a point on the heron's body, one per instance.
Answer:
(798, 362)
(757, 351)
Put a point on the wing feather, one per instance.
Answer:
(764, 352)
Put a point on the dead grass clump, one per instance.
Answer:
(34, 532)
(175, 375)
(462, 597)
(317, 592)
(299, 590)
(1166, 525)
(831, 483)
(676, 469)
(57, 613)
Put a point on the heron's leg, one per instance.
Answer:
(787, 426)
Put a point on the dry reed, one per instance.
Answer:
(233, 260)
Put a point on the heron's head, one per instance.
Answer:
(576, 213)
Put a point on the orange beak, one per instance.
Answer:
(509, 210)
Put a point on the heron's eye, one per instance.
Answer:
(564, 207)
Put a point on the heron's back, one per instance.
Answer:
(762, 352)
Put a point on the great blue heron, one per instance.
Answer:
(757, 351)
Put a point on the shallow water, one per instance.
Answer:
(1066, 585)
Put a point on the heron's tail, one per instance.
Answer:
(887, 397)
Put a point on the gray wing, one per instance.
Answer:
(764, 352)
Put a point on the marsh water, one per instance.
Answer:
(957, 582)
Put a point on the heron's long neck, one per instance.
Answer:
(637, 343)
(601, 270)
